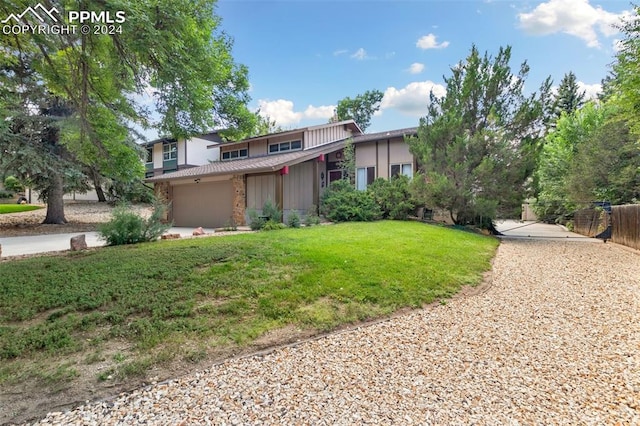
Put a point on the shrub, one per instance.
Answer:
(293, 221)
(131, 192)
(5, 194)
(271, 211)
(12, 184)
(341, 202)
(270, 215)
(311, 218)
(272, 225)
(126, 227)
(256, 222)
(393, 197)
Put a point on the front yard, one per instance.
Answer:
(115, 313)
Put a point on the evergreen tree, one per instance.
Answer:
(569, 97)
(478, 144)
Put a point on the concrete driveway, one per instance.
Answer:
(536, 230)
(17, 246)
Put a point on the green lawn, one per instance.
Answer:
(178, 299)
(16, 208)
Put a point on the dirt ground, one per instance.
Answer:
(81, 216)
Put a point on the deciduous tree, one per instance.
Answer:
(361, 108)
(173, 49)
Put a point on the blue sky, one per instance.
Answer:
(305, 55)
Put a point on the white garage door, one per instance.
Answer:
(209, 204)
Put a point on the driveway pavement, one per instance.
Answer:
(535, 230)
(17, 246)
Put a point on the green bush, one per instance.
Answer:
(5, 194)
(312, 218)
(293, 220)
(255, 221)
(393, 197)
(270, 218)
(271, 211)
(341, 202)
(12, 184)
(272, 225)
(126, 227)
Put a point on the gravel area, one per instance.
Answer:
(553, 339)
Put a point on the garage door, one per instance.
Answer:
(209, 204)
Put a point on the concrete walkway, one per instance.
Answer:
(535, 230)
(18, 246)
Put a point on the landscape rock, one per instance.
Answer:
(170, 236)
(79, 242)
(198, 231)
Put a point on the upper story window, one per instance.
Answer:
(405, 169)
(275, 148)
(170, 151)
(236, 153)
(150, 154)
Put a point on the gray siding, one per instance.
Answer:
(298, 188)
(260, 188)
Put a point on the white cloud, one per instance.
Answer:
(429, 42)
(360, 54)
(591, 91)
(284, 114)
(413, 99)
(575, 17)
(340, 52)
(323, 111)
(416, 68)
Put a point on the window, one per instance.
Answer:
(170, 151)
(150, 154)
(401, 169)
(235, 154)
(275, 148)
(364, 177)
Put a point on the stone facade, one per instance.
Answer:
(162, 192)
(239, 199)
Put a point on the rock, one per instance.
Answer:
(198, 231)
(0, 250)
(79, 242)
(170, 236)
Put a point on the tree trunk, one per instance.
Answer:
(96, 184)
(55, 202)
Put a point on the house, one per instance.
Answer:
(291, 168)
(166, 155)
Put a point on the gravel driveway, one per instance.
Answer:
(553, 339)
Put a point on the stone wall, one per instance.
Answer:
(239, 199)
(162, 193)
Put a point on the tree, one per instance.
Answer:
(477, 145)
(606, 166)
(569, 97)
(626, 72)
(558, 154)
(361, 108)
(173, 49)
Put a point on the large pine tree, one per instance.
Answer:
(477, 144)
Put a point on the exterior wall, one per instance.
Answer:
(298, 188)
(325, 135)
(234, 147)
(260, 188)
(382, 154)
(76, 196)
(258, 149)
(197, 153)
(182, 152)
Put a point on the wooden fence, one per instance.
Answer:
(625, 224)
(625, 221)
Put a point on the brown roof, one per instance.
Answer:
(265, 163)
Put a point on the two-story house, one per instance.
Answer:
(290, 168)
(166, 155)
